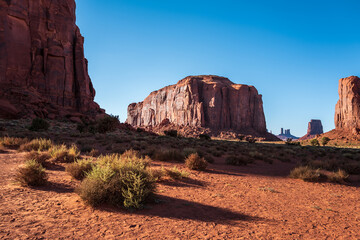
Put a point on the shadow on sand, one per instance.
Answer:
(185, 182)
(174, 208)
(56, 187)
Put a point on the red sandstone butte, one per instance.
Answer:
(347, 111)
(315, 128)
(43, 71)
(203, 101)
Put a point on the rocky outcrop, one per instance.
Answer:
(314, 128)
(347, 111)
(43, 71)
(285, 135)
(203, 101)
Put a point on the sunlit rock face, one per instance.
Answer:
(347, 111)
(202, 101)
(43, 71)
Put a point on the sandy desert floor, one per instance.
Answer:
(257, 201)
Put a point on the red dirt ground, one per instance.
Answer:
(226, 202)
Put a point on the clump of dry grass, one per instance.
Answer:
(94, 153)
(39, 157)
(339, 176)
(195, 162)
(79, 168)
(12, 142)
(175, 173)
(306, 173)
(61, 153)
(38, 144)
(31, 174)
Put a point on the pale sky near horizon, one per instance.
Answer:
(293, 53)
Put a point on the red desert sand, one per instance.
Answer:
(225, 202)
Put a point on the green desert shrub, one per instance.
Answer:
(61, 153)
(107, 124)
(250, 139)
(175, 173)
(38, 144)
(195, 162)
(168, 155)
(12, 142)
(171, 133)
(241, 137)
(31, 174)
(325, 141)
(118, 180)
(204, 137)
(290, 142)
(238, 160)
(79, 168)
(39, 124)
(314, 142)
(306, 173)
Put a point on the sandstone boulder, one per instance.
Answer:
(42, 66)
(209, 102)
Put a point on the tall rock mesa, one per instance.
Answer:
(347, 111)
(202, 101)
(315, 127)
(43, 71)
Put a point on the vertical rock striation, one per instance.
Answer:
(43, 71)
(202, 101)
(347, 111)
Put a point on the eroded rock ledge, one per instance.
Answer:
(210, 102)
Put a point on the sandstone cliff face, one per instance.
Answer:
(43, 71)
(202, 101)
(347, 111)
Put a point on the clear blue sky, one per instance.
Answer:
(293, 52)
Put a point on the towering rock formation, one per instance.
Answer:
(43, 71)
(286, 135)
(314, 128)
(203, 101)
(347, 111)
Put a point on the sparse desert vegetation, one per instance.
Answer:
(31, 174)
(126, 169)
